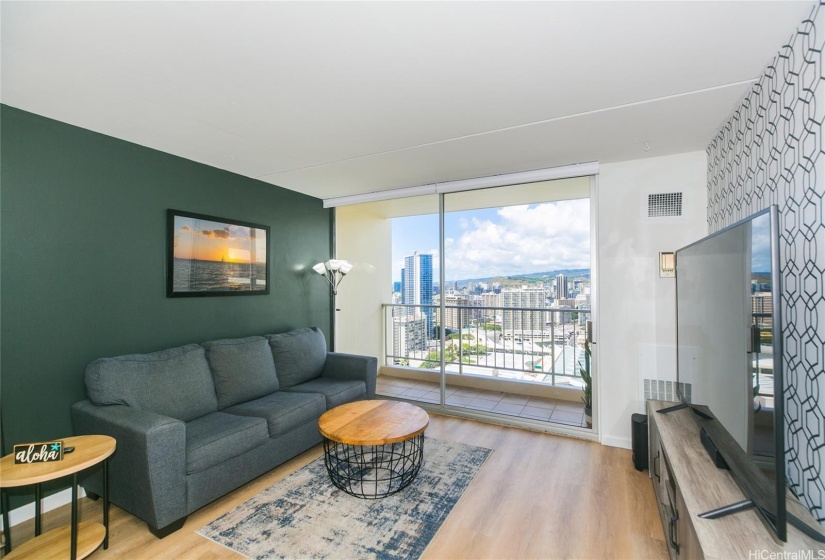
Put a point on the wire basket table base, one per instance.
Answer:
(374, 471)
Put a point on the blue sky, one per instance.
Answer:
(761, 244)
(499, 241)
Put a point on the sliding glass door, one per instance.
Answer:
(516, 299)
(491, 299)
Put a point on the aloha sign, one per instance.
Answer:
(38, 452)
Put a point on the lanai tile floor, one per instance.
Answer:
(535, 408)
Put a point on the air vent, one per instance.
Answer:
(660, 390)
(664, 205)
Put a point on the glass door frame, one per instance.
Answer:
(593, 432)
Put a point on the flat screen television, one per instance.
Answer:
(729, 358)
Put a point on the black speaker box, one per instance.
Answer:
(639, 440)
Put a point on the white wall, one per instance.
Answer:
(364, 238)
(636, 307)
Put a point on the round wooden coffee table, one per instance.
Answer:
(373, 448)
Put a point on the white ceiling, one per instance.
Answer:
(341, 98)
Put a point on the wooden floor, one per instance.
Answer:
(537, 496)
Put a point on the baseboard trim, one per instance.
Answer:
(53, 501)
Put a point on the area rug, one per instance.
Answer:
(305, 516)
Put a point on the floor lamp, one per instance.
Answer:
(334, 271)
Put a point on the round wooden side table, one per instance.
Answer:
(373, 448)
(77, 540)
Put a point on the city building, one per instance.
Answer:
(521, 319)
(564, 303)
(457, 318)
(417, 277)
(583, 317)
(409, 335)
(762, 305)
(561, 286)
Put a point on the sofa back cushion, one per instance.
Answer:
(242, 368)
(299, 355)
(174, 382)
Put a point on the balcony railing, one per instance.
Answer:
(524, 344)
(762, 357)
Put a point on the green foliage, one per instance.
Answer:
(454, 336)
(476, 349)
(433, 359)
(584, 372)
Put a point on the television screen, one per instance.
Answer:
(729, 353)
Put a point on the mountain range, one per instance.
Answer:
(531, 277)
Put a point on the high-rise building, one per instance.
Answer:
(523, 300)
(457, 318)
(417, 287)
(762, 306)
(490, 299)
(408, 336)
(563, 317)
(583, 317)
(561, 286)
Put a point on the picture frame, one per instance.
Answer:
(209, 256)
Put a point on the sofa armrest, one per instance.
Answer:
(354, 367)
(147, 472)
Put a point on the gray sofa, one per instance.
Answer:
(195, 422)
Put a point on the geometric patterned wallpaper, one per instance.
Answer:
(771, 151)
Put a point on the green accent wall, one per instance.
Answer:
(83, 262)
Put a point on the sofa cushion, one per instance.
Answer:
(242, 368)
(283, 411)
(335, 391)
(299, 355)
(174, 382)
(218, 436)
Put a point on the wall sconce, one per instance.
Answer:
(667, 265)
(334, 271)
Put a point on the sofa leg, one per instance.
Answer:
(168, 530)
(94, 497)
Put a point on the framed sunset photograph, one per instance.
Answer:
(210, 256)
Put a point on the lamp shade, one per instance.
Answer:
(333, 270)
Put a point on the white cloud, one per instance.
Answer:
(524, 239)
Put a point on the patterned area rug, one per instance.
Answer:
(305, 516)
